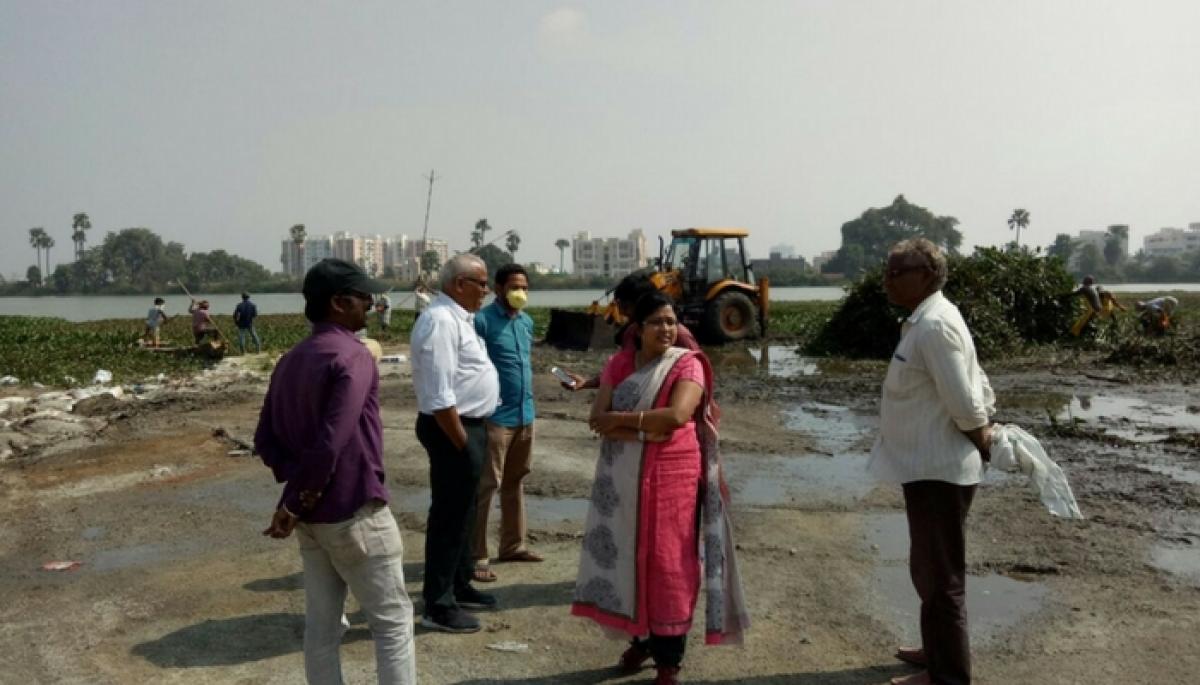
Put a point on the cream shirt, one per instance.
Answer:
(934, 390)
(450, 364)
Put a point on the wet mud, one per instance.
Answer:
(176, 585)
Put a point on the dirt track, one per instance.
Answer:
(177, 585)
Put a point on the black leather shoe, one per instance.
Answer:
(451, 621)
(471, 598)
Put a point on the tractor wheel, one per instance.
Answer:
(730, 316)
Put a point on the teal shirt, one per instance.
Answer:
(508, 341)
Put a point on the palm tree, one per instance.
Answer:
(35, 241)
(513, 242)
(79, 225)
(1018, 220)
(562, 245)
(479, 235)
(47, 243)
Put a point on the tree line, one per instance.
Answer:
(866, 240)
(137, 260)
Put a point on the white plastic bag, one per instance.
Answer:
(1014, 449)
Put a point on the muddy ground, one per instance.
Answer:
(177, 585)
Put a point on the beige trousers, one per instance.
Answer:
(509, 453)
(363, 554)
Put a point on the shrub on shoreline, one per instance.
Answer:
(1009, 299)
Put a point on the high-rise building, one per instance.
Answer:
(608, 257)
(1097, 239)
(374, 253)
(1170, 242)
(291, 258)
(317, 248)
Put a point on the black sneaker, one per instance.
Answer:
(471, 598)
(451, 621)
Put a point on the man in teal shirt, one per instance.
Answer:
(508, 334)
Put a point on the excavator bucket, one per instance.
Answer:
(575, 330)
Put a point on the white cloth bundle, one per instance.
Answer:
(1014, 449)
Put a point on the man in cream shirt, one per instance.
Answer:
(934, 433)
(457, 388)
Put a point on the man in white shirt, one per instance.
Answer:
(457, 388)
(934, 433)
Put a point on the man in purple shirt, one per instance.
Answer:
(320, 433)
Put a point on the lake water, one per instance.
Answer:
(92, 307)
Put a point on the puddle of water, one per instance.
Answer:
(537, 509)
(835, 428)
(1132, 418)
(995, 603)
(783, 361)
(125, 557)
(1180, 560)
(771, 479)
(1177, 473)
(887, 534)
(251, 496)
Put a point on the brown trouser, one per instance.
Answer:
(509, 452)
(937, 561)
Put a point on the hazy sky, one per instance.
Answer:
(221, 124)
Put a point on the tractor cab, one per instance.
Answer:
(708, 274)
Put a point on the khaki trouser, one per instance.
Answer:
(365, 555)
(509, 453)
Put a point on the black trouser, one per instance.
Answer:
(937, 562)
(667, 650)
(453, 482)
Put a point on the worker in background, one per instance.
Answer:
(1155, 315)
(1098, 303)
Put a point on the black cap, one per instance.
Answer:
(329, 277)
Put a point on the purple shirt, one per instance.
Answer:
(320, 431)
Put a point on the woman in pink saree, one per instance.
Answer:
(658, 523)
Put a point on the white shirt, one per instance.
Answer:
(935, 390)
(420, 300)
(450, 363)
(1166, 304)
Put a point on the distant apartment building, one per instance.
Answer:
(1098, 239)
(823, 259)
(782, 252)
(291, 258)
(1172, 242)
(778, 262)
(364, 250)
(374, 253)
(608, 257)
(539, 268)
(297, 258)
(317, 248)
(403, 256)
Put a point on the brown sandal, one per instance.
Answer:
(912, 655)
(522, 555)
(484, 574)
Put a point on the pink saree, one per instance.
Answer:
(658, 520)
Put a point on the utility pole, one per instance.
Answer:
(428, 201)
